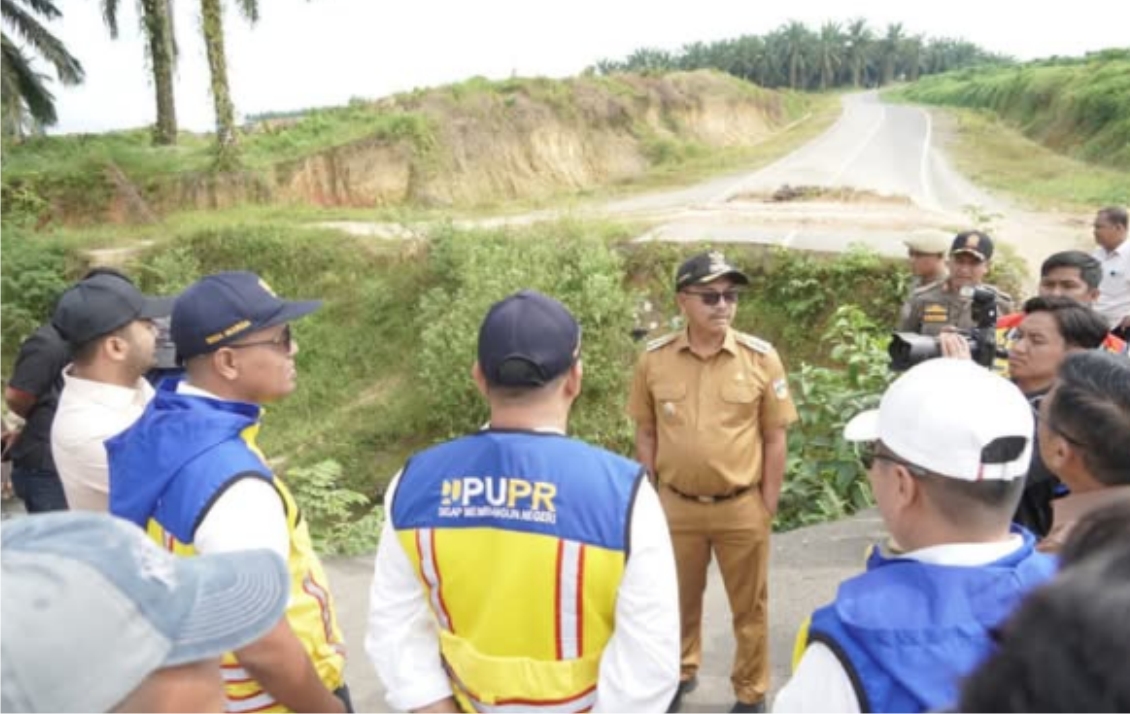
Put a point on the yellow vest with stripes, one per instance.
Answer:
(521, 571)
(310, 611)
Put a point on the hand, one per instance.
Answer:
(954, 345)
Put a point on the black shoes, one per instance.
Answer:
(685, 687)
(754, 708)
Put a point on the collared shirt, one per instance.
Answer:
(709, 412)
(90, 412)
(821, 684)
(1072, 508)
(1114, 289)
(641, 656)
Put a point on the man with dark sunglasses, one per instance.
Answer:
(190, 473)
(712, 407)
(946, 453)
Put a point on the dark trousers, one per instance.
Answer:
(39, 489)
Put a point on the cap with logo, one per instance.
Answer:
(953, 418)
(102, 303)
(973, 243)
(527, 340)
(92, 607)
(705, 268)
(219, 309)
(928, 240)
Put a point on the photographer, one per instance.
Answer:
(949, 303)
(1052, 328)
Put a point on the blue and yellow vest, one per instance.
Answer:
(907, 632)
(520, 540)
(199, 477)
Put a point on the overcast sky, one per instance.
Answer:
(323, 52)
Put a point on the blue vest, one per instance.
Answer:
(520, 481)
(907, 632)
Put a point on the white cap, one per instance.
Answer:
(953, 418)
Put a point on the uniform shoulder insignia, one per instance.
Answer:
(754, 343)
(928, 287)
(661, 341)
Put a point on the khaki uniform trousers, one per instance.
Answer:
(737, 532)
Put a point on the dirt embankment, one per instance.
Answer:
(501, 141)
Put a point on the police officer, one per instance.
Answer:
(926, 251)
(947, 303)
(711, 407)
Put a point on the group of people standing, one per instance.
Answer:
(520, 569)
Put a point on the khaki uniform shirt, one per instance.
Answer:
(709, 413)
(935, 306)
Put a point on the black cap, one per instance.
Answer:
(101, 304)
(221, 308)
(527, 340)
(705, 268)
(974, 243)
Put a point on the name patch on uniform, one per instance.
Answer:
(781, 387)
(501, 497)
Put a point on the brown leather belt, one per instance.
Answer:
(709, 499)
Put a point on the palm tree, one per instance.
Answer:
(157, 25)
(829, 53)
(24, 97)
(797, 39)
(888, 52)
(212, 23)
(858, 44)
(912, 56)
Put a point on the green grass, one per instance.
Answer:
(1055, 132)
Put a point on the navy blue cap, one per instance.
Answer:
(706, 268)
(974, 243)
(100, 304)
(527, 340)
(219, 309)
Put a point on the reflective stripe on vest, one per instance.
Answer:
(570, 599)
(251, 703)
(580, 703)
(425, 547)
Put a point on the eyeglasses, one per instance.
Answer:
(284, 341)
(713, 297)
(868, 453)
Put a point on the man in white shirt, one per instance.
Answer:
(946, 453)
(519, 568)
(1114, 254)
(109, 325)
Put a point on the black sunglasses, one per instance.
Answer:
(283, 341)
(713, 297)
(869, 452)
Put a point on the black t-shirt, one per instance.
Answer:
(1034, 511)
(39, 372)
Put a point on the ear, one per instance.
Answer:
(226, 364)
(115, 347)
(1056, 451)
(681, 302)
(907, 490)
(480, 379)
(573, 380)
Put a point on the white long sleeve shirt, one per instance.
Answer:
(821, 684)
(639, 669)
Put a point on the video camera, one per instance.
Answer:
(910, 348)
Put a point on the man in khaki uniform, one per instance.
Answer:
(711, 407)
(947, 304)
